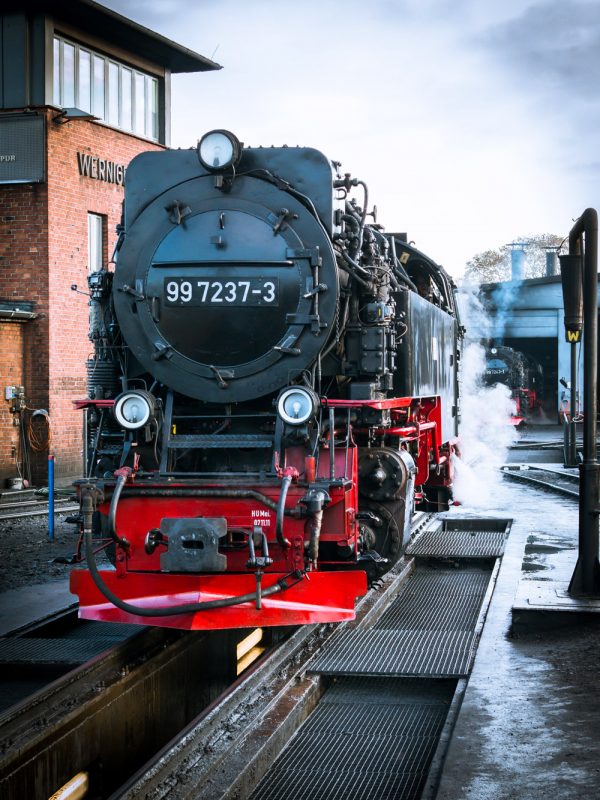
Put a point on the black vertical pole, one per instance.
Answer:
(586, 577)
(572, 423)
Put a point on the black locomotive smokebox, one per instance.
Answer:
(232, 299)
(232, 309)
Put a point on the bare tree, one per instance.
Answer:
(491, 266)
(488, 267)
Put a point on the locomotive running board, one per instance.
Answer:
(320, 597)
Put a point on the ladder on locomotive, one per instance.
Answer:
(173, 441)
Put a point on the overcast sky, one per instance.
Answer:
(472, 122)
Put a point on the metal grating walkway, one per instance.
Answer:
(442, 543)
(375, 731)
(367, 739)
(428, 631)
(60, 652)
(429, 654)
(445, 599)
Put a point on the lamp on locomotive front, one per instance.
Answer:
(219, 150)
(133, 410)
(297, 405)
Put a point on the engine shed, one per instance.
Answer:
(527, 315)
(83, 91)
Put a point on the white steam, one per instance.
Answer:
(485, 431)
(504, 297)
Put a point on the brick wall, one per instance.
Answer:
(43, 251)
(70, 197)
(23, 276)
(11, 374)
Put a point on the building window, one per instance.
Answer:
(95, 242)
(115, 93)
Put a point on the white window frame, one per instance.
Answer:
(148, 96)
(95, 242)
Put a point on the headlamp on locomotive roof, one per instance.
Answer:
(134, 409)
(219, 150)
(297, 405)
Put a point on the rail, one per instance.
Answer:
(545, 478)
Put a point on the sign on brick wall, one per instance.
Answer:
(22, 148)
(100, 169)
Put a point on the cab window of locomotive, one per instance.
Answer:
(96, 239)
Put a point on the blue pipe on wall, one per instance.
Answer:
(51, 498)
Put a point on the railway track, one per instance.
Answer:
(35, 508)
(105, 714)
(37, 654)
(564, 482)
(163, 713)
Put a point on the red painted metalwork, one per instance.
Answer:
(320, 597)
(327, 594)
(379, 405)
(86, 402)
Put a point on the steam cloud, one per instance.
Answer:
(485, 432)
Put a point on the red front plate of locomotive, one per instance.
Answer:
(320, 597)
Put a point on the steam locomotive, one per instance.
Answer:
(273, 390)
(521, 373)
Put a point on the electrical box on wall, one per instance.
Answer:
(16, 397)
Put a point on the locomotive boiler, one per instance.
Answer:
(273, 390)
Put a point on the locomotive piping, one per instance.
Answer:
(363, 218)
(236, 494)
(112, 513)
(284, 186)
(352, 268)
(315, 525)
(402, 275)
(285, 485)
(185, 608)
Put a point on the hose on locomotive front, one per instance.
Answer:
(112, 513)
(88, 508)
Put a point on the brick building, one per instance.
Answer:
(82, 91)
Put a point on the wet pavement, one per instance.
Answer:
(529, 726)
(540, 444)
(29, 604)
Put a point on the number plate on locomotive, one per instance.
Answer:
(229, 292)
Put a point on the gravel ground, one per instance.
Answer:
(27, 555)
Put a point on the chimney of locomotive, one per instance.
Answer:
(517, 261)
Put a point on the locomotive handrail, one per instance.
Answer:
(188, 491)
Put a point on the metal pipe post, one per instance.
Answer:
(586, 577)
(572, 423)
(51, 498)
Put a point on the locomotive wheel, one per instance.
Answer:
(382, 474)
(382, 532)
